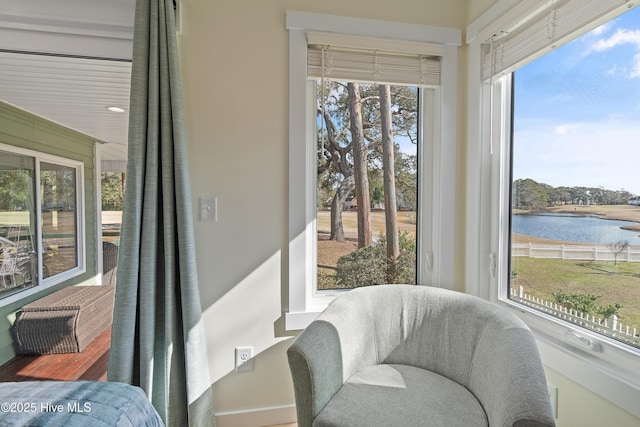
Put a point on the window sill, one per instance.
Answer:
(57, 280)
(612, 371)
(297, 321)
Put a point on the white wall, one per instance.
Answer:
(234, 57)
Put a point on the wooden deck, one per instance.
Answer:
(90, 364)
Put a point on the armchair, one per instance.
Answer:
(401, 355)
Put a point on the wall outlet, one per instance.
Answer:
(244, 359)
(553, 397)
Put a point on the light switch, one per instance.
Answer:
(209, 209)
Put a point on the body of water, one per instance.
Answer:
(574, 228)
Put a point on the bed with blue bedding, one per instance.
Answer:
(75, 404)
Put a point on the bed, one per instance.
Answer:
(75, 404)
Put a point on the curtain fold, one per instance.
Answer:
(158, 340)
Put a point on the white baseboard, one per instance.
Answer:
(257, 417)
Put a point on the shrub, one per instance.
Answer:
(370, 266)
(586, 303)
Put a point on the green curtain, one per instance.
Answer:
(158, 340)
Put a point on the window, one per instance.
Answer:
(547, 125)
(356, 217)
(40, 220)
(332, 59)
(574, 234)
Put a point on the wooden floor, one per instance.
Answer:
(90, 364)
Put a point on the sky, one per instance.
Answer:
(577, 111)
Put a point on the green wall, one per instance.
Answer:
(22, 129)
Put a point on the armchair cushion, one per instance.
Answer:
(380, 395)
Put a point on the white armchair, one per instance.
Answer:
(401, 355)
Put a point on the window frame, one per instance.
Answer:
(437, 174)
(605, 366)
(45, 283)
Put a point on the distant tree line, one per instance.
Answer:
(531, 195)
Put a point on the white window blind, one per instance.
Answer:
(558, 23)
(375, 61)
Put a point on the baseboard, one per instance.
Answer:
(257, 417)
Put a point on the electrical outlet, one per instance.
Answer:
(244, 359)
(553, 397)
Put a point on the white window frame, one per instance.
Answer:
(437, 186)
(45, 283)
(604, 366)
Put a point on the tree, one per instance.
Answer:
(335, 157)
(617, 249)
(530, 195)
(112, 191)
(388, 166)
(360, 166)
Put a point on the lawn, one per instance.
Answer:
(406, 222)
(614, 283)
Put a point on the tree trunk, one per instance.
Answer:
(360, 166)
(390, 204)
(346, 187)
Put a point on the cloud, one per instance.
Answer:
(565, 128)
(600, 30)
(621, 36)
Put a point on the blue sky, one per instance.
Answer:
(577, 111)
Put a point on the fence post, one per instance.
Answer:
(520, 292)
(614, 322)
(530, 250)
(562, 257)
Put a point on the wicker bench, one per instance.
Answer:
(65, 321)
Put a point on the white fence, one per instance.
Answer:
(609, 327)
(574, 252)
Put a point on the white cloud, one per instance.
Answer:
(621, 36)
(612, 71)
(600, 30)
(565, 128)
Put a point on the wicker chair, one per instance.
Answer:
(8, 263)
(109, 263)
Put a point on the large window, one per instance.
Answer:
(575, 250)
(371, 157)
(552, 222)
(40, 220)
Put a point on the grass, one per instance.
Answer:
(614, 283)
(406, 222)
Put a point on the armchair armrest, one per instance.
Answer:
(315, 359)
(507, 376)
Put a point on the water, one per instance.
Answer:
(574, 228)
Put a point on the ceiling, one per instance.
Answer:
(69, 60)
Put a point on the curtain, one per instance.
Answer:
(157, 339)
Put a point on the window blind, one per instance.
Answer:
(374, 61)
(560, 22)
